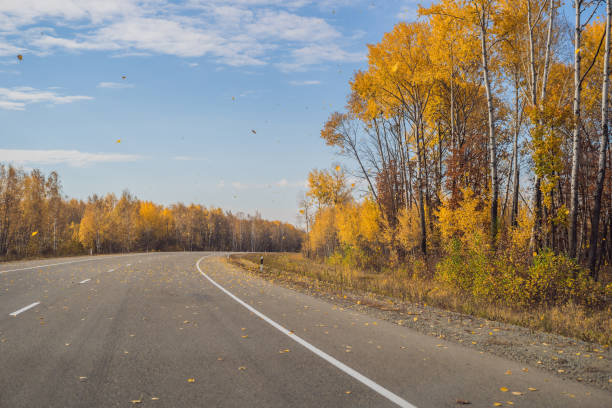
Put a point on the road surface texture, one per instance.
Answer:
(188, 330)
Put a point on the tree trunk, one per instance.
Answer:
(603, 146)
(492, 140)
(576, 136)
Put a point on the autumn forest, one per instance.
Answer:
(478, 140)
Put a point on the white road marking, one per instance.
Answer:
(23, 309)
(85, 281)
(111, 270)
(64, 263)
(341, 366)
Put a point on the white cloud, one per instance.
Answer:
(314, 54)
(17, 98)
(305, 82)
(188, 158)
(114, 85)
(282, 183)
(231, 32)
(73, 158)
(410, 10)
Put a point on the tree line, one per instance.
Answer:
(481, 129)
(36, 219)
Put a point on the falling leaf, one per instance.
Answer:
(19, 57)
(253, 131)
(118, 140)
(577, 50)
(191, 380)
(338, 168)
(503, 389)
(34, 233)
(123, 77)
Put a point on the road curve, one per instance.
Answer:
(165, 330)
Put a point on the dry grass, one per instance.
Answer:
(413, 284)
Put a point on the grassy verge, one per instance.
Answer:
(567, 320)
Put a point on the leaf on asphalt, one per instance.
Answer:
(191, 380)
(561, 370)
(246, 336)
(154, 398)
(463, 402)
(82, 379)
(415, 318)
(526, 369)
(497, 404)
(508, 372)
(532, 389)
(284, 351)
(138, 401)
(347, 392)
(517, 393)
(242, 368)
(503, 389)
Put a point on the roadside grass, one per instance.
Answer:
(409, 285)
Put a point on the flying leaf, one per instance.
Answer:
(338, 168)
(253, 131)
(19, 57)
(123, 77)
(118, 140)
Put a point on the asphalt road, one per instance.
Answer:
(158, 330)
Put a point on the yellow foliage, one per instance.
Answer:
(468, 222)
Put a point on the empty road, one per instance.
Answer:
(188, 330)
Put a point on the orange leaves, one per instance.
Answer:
(19, 57)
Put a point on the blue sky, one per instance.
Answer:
(199, 77)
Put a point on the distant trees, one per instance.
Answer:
(35, 219)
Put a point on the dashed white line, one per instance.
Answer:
(23, 309)
(65, 263)
(341, 366)
(85, 281)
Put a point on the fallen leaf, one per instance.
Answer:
(463, 402)
(154, 398)
(191, 380)
(497, 404)
(82, 379)
(532, 389)
(242, 368)
(347, 392)
(503, 389)
(508, 372)
(517, 393)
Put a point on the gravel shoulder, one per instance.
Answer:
(568, 358)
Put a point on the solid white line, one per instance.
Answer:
(65, 263)
(23, 309)
(343, 367)
(85, 281)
